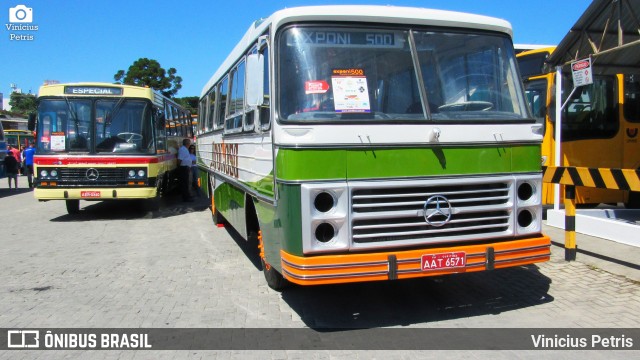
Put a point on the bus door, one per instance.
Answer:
(591, 133)
(539, 92)
(631, 106)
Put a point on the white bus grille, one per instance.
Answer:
(394, 213)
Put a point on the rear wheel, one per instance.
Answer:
(218, 219)
(73, 206)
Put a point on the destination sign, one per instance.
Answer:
(344, 38)
(92, 90)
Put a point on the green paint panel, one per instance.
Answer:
(230, 203)
(312, 164)
(526, 158)
(289, 218)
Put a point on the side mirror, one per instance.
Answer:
(31, 125)
(255, 80)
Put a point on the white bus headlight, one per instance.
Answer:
(528, 199)
(325, 215)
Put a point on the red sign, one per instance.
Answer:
(90, 194)
(579, 65)
(441, 261)
(316, 87)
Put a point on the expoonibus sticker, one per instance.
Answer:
(350, 92)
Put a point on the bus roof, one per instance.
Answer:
(363, 14)
(85, 90)
(59, 89)
(548, 49)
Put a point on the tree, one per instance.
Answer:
(23, 103)
(148, 72)
(190, 103)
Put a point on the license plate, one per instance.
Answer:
(90, 194)
(450, 260)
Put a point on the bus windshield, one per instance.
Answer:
(336, 73)
(95, 126)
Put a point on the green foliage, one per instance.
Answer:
(23, 104)
(148, 72)
(190, 103)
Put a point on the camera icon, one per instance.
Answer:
(20, 14)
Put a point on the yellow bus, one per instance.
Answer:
(19, 139)
(100, 141)
(599, 124)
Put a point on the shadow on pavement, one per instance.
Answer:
(5, 192)
(416, 301)
(170, 205)
(412, 301)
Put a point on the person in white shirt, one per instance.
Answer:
(195, 174)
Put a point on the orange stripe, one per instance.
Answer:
(332, 269)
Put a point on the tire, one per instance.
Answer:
(152, 204)
(634, 200)
(73, 206)
(275, 280)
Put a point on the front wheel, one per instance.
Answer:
(73, 206)
(275, 280)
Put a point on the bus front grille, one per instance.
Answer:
(87, 177)
(431, 211)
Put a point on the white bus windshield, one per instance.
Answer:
(332, 73)
(95, 126)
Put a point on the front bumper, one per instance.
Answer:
(333, 269)
(95, 193)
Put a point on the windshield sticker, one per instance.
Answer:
(58, 141)
(350, 92)
(316, 87)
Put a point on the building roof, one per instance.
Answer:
(609, 32)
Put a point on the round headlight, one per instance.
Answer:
(141, 173)
(525, 191)
(525, 218)
(324, 202)
(132, 173)
(44, 173)
(54, 173)
(325, 232)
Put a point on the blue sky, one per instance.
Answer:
(91, 40)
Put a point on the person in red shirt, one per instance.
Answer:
(16, 154)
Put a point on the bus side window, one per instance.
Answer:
(265, 113)
(223, 88)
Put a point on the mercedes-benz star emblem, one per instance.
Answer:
(92, 174)
(441, 214)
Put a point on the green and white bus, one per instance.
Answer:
(364, 143)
